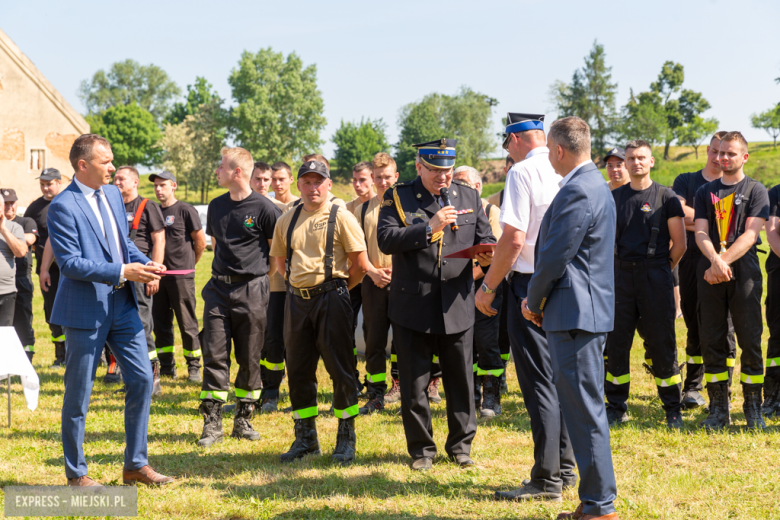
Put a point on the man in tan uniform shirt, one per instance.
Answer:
(314, 243)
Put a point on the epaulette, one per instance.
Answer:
(405, 183)
(464, 184)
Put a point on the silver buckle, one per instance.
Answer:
(305, 294)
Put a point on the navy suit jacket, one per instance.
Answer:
(573, 281)
(88, 275)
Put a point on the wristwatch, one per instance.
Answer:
(487, 290)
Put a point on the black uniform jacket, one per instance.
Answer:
(424, 296)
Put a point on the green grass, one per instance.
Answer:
(660, 474)
(763, 165)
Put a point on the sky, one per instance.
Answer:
(372, 58)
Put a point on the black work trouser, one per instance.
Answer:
(643, 290)
(740, 297)
(355, 301)
(415, 352)
(176, 297)
(553, 453)
(57, 334)
(487, 355)
(23, 312)
(689, 302)
(773, 322)
(503, 333)
(233, 312)
(272, 359)
(314, 328)
(376, 326)
(7, 304)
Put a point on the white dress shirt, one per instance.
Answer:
(89, 193)
(531, 185)
(571, 173)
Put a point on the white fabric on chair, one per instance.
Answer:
(13, 361)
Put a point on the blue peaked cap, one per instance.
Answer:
(517, 122)
(437, 154)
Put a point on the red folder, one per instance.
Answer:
(472, 251)
(181, 272)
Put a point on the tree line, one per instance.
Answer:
(278, 115)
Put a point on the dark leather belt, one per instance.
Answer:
(235, 278)
(322, 288)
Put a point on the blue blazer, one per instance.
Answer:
(573, 281)
(81, 251)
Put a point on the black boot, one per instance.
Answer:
(167, 364)
(242, 428)
(491, 397)
(771, 406)
(752, 406)
(156, 387)
(719, 416)
(305, 443)
(504, 387)
(59, 354)
(477, 392)
(344, 453)
(212, 423)
(113, 374)
(193, 369)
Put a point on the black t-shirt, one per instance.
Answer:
(635, 213)
(240, 231)
(38, 211)
(151, 220)
(757, 205)
(772, 261)
(24, 264)
(686, 185)
(181, 220)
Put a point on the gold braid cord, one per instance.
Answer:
(436, 237)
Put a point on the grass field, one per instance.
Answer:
(660, 474)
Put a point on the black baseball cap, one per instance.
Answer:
(616, 152)
(166, 176)
(9, 195)
(314, 166)
(50, 174)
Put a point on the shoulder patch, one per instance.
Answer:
(464, 184)
(387, 202)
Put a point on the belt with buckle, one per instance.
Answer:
(235, 278)
(322, 288)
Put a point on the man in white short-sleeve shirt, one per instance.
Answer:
(531, 185)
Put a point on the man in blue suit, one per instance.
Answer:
(571, 295)
(96, 304)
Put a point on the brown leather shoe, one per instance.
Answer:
(145, 475)
(83, 481)
(578, 515)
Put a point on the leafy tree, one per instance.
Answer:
(466, 116)
(130, 82)
(768, 120)
(357, 142)
(132, 132)
(176, 152)
(208, 131)
(198, 94)
(643, 118)
(694, 133)
(279, 112)
(591, 96)
(679, 110)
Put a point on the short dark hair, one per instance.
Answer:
(363, 165)
(572, 133)
(718, 135)
(82, 148)
(131, 169)
(280, 165)
(263, 167)
(638, 143)
(509, 160)
(736, 136)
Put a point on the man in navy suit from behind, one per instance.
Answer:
(96, 304)
(571, 295)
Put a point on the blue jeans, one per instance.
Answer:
(123, 331)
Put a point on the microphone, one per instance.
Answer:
(444, 193)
